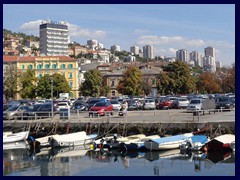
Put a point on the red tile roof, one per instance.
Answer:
(33, 58)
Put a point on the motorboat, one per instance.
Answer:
(15, 145)
(71, 139)
(222, 142)
(169, 142)
(15, 137)
(194, 143)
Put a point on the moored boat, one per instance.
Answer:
(222, 142)
(72, 139)
(164, 143)
(194, 143)
(15, 137)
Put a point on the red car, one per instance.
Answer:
(166, 103)
(101, 108)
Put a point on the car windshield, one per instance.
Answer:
(222, 99)
(13, 108)
(35, 107)
(195, 102)
(100, 104)
(114, 102)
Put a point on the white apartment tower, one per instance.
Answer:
(134, 50)
(115, 48)
(182, 55)
(148, 52)
(196, 57)
(54, 39)
(209, 61)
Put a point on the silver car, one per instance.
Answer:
(149, 104)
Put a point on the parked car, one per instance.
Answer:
(133, 104)
(93, 101)
(101, 108)
(45, 110)
(116, 105)
(180, 103)
(79, 105)
(166, 103)
(6, 106)
(149, 104)
(224, 102)
(15, 112)
(31, 112)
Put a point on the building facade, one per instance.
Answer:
(54, 39)
(66, 66)
(148, 52)
(182, 55)
(134, 50)
(196, 57)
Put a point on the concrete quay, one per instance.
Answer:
(158, 119)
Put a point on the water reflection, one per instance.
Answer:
(79, 160)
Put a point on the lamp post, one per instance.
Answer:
(51, 78)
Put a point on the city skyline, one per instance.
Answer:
(167, 27)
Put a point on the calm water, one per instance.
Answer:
(79, 162)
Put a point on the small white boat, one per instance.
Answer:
(16, 145)
(72, 139)
(15, 137)
(164, 143)
(131, 138)
(194, 143)
(222, 142)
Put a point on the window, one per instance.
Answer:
(71, 94)
(69, 75)
(112, 84)
(70, 66)
(63, 74)
(71, 84)
(39, 75)
(153, 81)
(30, 66)
(62, 66)
(23, 66)
(113, 93)
(39, 66)
(46, 66)
(54, 66)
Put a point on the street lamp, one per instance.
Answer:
(51, 78)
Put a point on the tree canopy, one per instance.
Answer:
(92, 84)
(27, 82)
(177, 79)
(131, 82)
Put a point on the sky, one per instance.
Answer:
(168, 27)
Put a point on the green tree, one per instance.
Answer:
(131, 82)
(92, 84)
(10, 81)
(165, 84)
(184, 82)
(60, 85)
(27, 82)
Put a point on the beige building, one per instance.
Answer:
(42, 65)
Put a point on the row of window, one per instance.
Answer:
(69, 76)
(47, 66)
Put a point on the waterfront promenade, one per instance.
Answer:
(176, 118)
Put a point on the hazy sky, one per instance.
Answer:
(168, 27)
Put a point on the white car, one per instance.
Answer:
(63, 105)
(116, 105)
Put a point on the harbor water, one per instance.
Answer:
(84, 162)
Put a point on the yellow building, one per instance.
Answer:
(64, 65)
